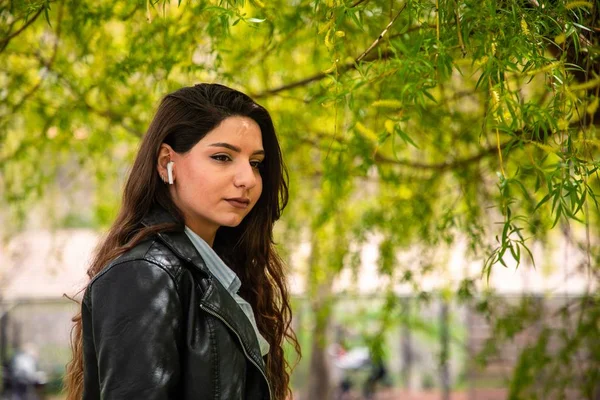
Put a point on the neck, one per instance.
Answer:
(208, 235)
(206, 230)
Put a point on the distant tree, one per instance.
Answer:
(419, 121)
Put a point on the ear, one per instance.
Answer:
(165, 153)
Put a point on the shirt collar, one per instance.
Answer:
(217, 267)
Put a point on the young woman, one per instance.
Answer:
(187, 296)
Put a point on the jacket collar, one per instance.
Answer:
(216, 297)
(177, 240)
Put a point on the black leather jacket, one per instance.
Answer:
(158, 325)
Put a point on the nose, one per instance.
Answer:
(245, 176)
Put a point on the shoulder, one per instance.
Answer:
(150, 263)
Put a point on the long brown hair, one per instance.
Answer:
(182, 119)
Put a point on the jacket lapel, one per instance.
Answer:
(216, 298)
(219, 300)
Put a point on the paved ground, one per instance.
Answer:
(399, 394)
(480, 394)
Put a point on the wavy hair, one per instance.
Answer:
(182, 119)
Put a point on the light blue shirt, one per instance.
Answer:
(228, 279)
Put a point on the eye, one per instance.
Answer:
(221, 157)
(256, 164)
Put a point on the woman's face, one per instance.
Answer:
(218, 181)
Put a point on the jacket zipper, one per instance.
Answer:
(214, 314)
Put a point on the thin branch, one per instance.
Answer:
(45, 63)
(459, 30)
(359, 2)
(127, 16)
(346, 67)
(381, 35)
(108, 114)
(439, 167)
(267, 51)
(443, 166)
(115, 118)
(575, 56)
(4, 42)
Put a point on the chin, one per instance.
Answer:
(232, 222)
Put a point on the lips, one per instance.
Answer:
(239, 202)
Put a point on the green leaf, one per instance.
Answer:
(405, 137)
(558, 214)
(46, 7)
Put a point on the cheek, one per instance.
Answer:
(194, 183)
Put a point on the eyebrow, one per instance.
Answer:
(234, 148)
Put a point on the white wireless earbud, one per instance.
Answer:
(170, 172)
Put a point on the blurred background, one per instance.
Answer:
(442, 230)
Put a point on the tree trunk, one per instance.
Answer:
(445, 351)
(319, 375)
(406, 346)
